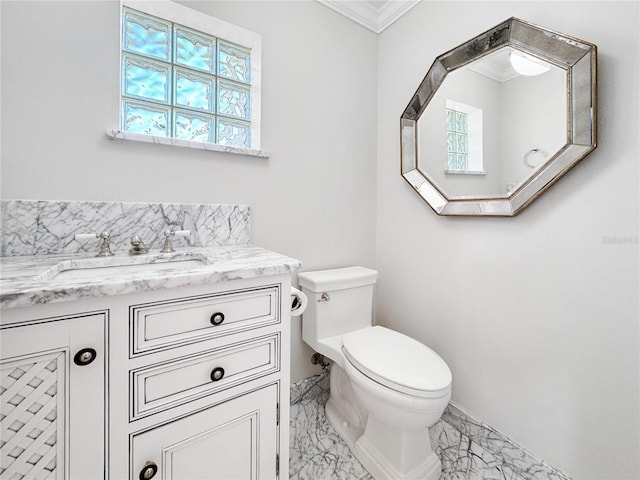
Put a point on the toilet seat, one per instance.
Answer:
(397, 361)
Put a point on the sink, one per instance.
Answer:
(91, 272)
(92, 268)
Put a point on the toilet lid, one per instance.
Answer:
(395, 360)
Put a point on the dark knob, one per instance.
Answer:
(217, 318)
(85, 356)
(148, 471)
(217, 374)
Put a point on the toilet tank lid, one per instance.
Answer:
(337, 278)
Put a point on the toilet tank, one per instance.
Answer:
(340, 301)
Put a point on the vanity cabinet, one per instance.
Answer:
(52, 395)
(196, 380)
(205, 377)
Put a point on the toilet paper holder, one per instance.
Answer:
(298, 302)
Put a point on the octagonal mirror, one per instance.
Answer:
(497, 120)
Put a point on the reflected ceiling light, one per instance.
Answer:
(526, 64)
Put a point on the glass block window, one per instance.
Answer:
(183, 83)
(457, 141)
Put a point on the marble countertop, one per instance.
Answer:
(32, 280)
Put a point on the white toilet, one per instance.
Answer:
(386, 388)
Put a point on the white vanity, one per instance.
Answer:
(134, 372)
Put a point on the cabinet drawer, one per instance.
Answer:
(164, 325)
(167, 385)
(234, 440)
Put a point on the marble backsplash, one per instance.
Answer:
(41, 227)
(468, 448)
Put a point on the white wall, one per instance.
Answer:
(536, 315)
(544, 342)
(534, 116)
(60, 80)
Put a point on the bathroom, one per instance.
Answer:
(537, 316)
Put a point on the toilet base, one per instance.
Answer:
(387, 452)
(352, 431)
(348, 431)
(371, 458)
(342, 409)
(380, 469)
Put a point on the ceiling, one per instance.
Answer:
(376, 15)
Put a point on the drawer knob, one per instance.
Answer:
(148, 471)
(84, 357)
(217, 318)
(217, 374)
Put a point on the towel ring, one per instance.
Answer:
(534, 151)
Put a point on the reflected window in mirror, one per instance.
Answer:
(457, 140)
(464, 139)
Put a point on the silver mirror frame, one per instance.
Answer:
(577, 57)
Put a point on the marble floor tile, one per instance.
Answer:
(316, 451)
(462, 459)
(506, 456)
(468, 449)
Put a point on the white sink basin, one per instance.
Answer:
(92, 268)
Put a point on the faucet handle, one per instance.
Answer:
(105, 246)
(181, 233)
(168, 246)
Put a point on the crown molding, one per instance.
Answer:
(367, 15)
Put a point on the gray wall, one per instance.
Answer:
(536, 315)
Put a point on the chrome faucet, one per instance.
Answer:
(168, 245)
(137, 246)
(105, 246)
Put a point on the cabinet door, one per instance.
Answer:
(234, 440)
(39, 385)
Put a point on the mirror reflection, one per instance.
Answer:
(499, 119)
(492, 124)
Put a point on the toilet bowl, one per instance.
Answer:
(386, 389)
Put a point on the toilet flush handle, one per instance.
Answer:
(324, 297)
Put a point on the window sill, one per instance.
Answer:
(465, 172)
(175, 142)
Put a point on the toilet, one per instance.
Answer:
(386, 389)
